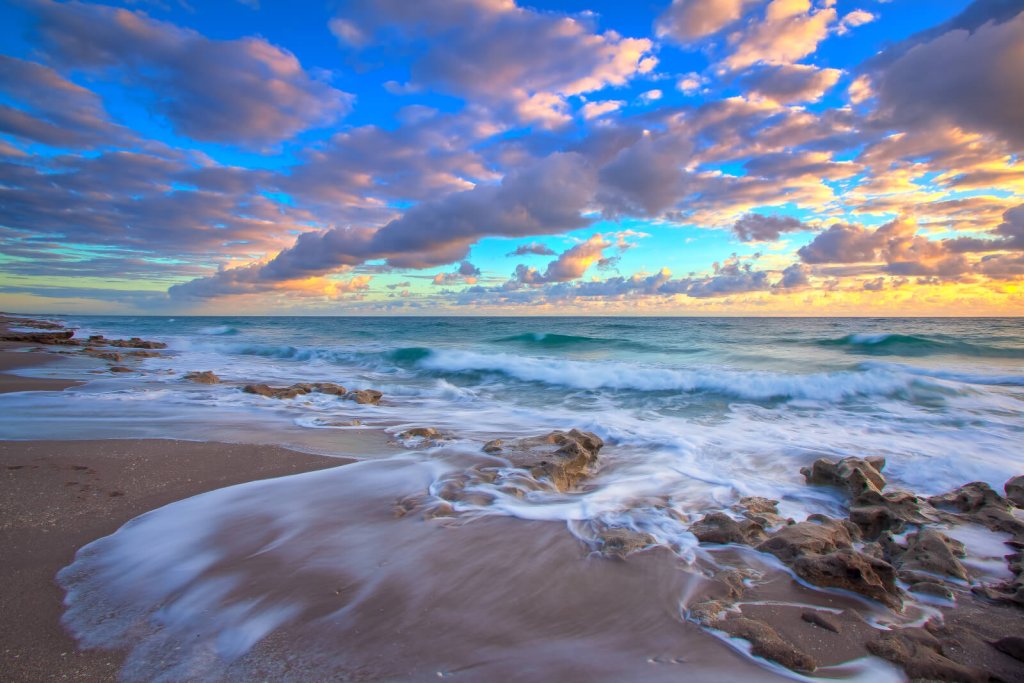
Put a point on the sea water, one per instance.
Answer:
(695, 412)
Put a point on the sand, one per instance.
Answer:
(60, 495)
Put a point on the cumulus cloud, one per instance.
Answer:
(689, 20)
(466, 272)
(522, 62)
(790, 83)
(789, 31)
(593, 110)
(756, 227)
(570, 265)
(966, 74)
(244, 91)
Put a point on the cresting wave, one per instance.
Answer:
(885, 344)
(752, 385)
(553, 340)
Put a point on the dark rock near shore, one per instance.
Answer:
(766, 642)
(718, 527)
(852, 571)
(204, 377)
(856, 475)
(1011, 645)
(133, 343)
(365, 396)
(819, 537)
(275, 392)
(362, 396)
(120, 368)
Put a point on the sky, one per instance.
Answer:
(491, 157)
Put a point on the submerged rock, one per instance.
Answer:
(562, 458)
(204, 377)
(276, 392)
(766, 642)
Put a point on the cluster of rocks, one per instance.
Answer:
(133, 343)
(361, 396)
(861, 554)
(61, 338)
(96, 346)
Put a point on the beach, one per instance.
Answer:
(439, 551)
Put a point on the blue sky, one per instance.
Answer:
(372, 156)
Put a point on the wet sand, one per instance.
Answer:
(12, 359)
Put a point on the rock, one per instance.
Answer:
(706, 612)
(766, 642)
(365, 396)
(856, 475)
(204, 377)
(494, 446)
(764, 511)
(817, 537)
(120, 368)
(969, 498)
(933, 552)
(133, 343)
(852, 571)
(329, 388)
(1011, 645)
(820, 619)
(918, 653)
(619, 541)
(718, 527)
(276, 392)
(931, 588)
(1015, 490)
(420, 433)
(63, 337)
(562, 458)
(112, 356)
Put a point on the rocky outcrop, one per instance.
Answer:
(203, 377)
(718, 527)
(764, 511)
(362, 396)
(934, 553)
(133, 343)
(766, 642)
(120, 368)
(62, 338)
(978, 502)
(561, 458)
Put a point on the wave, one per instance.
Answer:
(218, 330)
(890, 344)
(750, 385)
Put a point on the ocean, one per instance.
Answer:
(695, 413)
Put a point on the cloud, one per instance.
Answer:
(521, 62)
(789, 83)
(755, 227)
(535, 248)
(466, 272)
(244, 91)
(789, 31)
(688, 20)
(570, 265)
(966, 74)
(546, 197)
(593, 110)
(52, 110)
